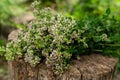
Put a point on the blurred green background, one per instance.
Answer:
(15, 13)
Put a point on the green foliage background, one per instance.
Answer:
(10, 9)
(98, 21)
(80, 8)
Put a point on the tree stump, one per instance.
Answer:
(89, 67)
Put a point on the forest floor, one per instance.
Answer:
(117, 76)
(3, 70)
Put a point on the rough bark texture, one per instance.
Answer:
(89, 67)
(92, 67)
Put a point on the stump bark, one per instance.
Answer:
(89, 67)
(92, 67)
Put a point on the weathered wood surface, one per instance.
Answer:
(92, 67)
(89, 67)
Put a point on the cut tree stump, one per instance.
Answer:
(89, 67)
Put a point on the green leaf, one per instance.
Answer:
(2, 50)
(97, 38)
(108, 11)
